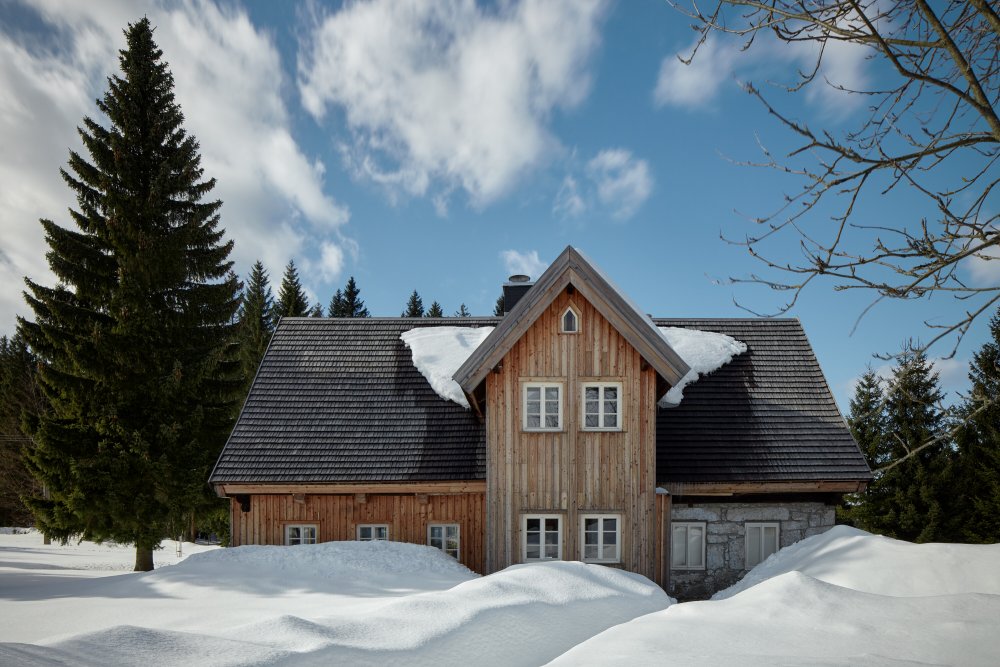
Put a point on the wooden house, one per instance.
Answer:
(563, 452)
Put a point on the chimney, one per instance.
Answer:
(515, 287)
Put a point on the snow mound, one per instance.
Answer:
(851, 558)
(439, 351)
(704, 351)
(795, 619)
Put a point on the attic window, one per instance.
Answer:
(570, 321)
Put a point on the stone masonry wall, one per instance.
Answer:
(725, 558)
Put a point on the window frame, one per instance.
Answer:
(541, 543)
(601, 386)
(308, 526)
(562, 321)
(760, 525)
(600, 534)
(560, 412)
(703, 525)
(373, 526)
(444, 538)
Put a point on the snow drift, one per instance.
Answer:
(439, 351)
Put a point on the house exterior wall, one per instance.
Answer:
(572, 471)
(725, 555)
(337, 516)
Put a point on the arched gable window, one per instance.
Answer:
(570, 321)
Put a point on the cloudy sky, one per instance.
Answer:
(441, 146)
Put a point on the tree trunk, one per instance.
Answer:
(143, 559)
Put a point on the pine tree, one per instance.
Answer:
(336, 307)
(867, 421)
(256, 322)
(435, 310)
(292, 300)
(498, 308)
(414, 306)
(975, 479)
(462, 311)
(135, 339)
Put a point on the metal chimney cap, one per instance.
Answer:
(519, 278)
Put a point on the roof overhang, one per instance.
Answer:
(761, 487)
(224, 489)
(573, 268)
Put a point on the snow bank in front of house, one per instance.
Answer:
(858, 560)
(439, 351)
(704, 351)
(842, 598)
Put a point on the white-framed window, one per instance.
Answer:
(761, 541)
(602, 406)
(444, 536)
(300, 533)
(687, 545)
(600, 538)
(541, 537)
(542, 406)
(570, 322)
(368, 532)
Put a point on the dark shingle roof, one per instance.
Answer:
(768, 415)
(339, 400)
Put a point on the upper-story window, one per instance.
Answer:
(543, 406)
(602, 406)
(570, 321)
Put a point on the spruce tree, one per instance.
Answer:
(462, 311)
(435, 310)
(292, 300)
(135, 339)
(336, 307)
(21, 405)
(414, 306)
(255, 321)
(316, 310)
(975, 479)
(498, 308)
(353, 305)
(867, 421)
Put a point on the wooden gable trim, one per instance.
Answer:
(573, 270)
(470, 486)
(738, 488)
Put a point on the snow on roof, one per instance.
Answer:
(704, 351)
(439, 351)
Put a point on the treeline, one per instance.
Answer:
(937, 469)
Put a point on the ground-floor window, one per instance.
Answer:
(542, 537)
(444, 536)
(300, 534)
(600, 536)
(687, 545)
(761, 542)
(373, 531)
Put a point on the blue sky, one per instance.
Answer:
(442, 146)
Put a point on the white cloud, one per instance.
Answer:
(694, 85)
(276, 206)
(446, 94)
(984, 267)
(526, 263)
(623, 182)
(569, 202)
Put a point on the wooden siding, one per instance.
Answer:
(337, 516)
(572, 471)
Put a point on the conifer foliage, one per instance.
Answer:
(256, 321)
(292, 300)
(348, 303)
(498, 307)
(414, 306)
(135, 340)
(462, 311)
(435, 310)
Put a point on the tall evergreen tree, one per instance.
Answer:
(462, 311)
(435, 310)
(498, 308)
(974, 482)
(135, 339)
(867, 420)
(256, 322)
(21, 404)
(348, 303)
(316, 310)
(292, 300)
(414, 306)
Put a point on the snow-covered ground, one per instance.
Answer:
(842, 598)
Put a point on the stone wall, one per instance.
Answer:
(725, 559)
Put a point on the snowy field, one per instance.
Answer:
(843, 598)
